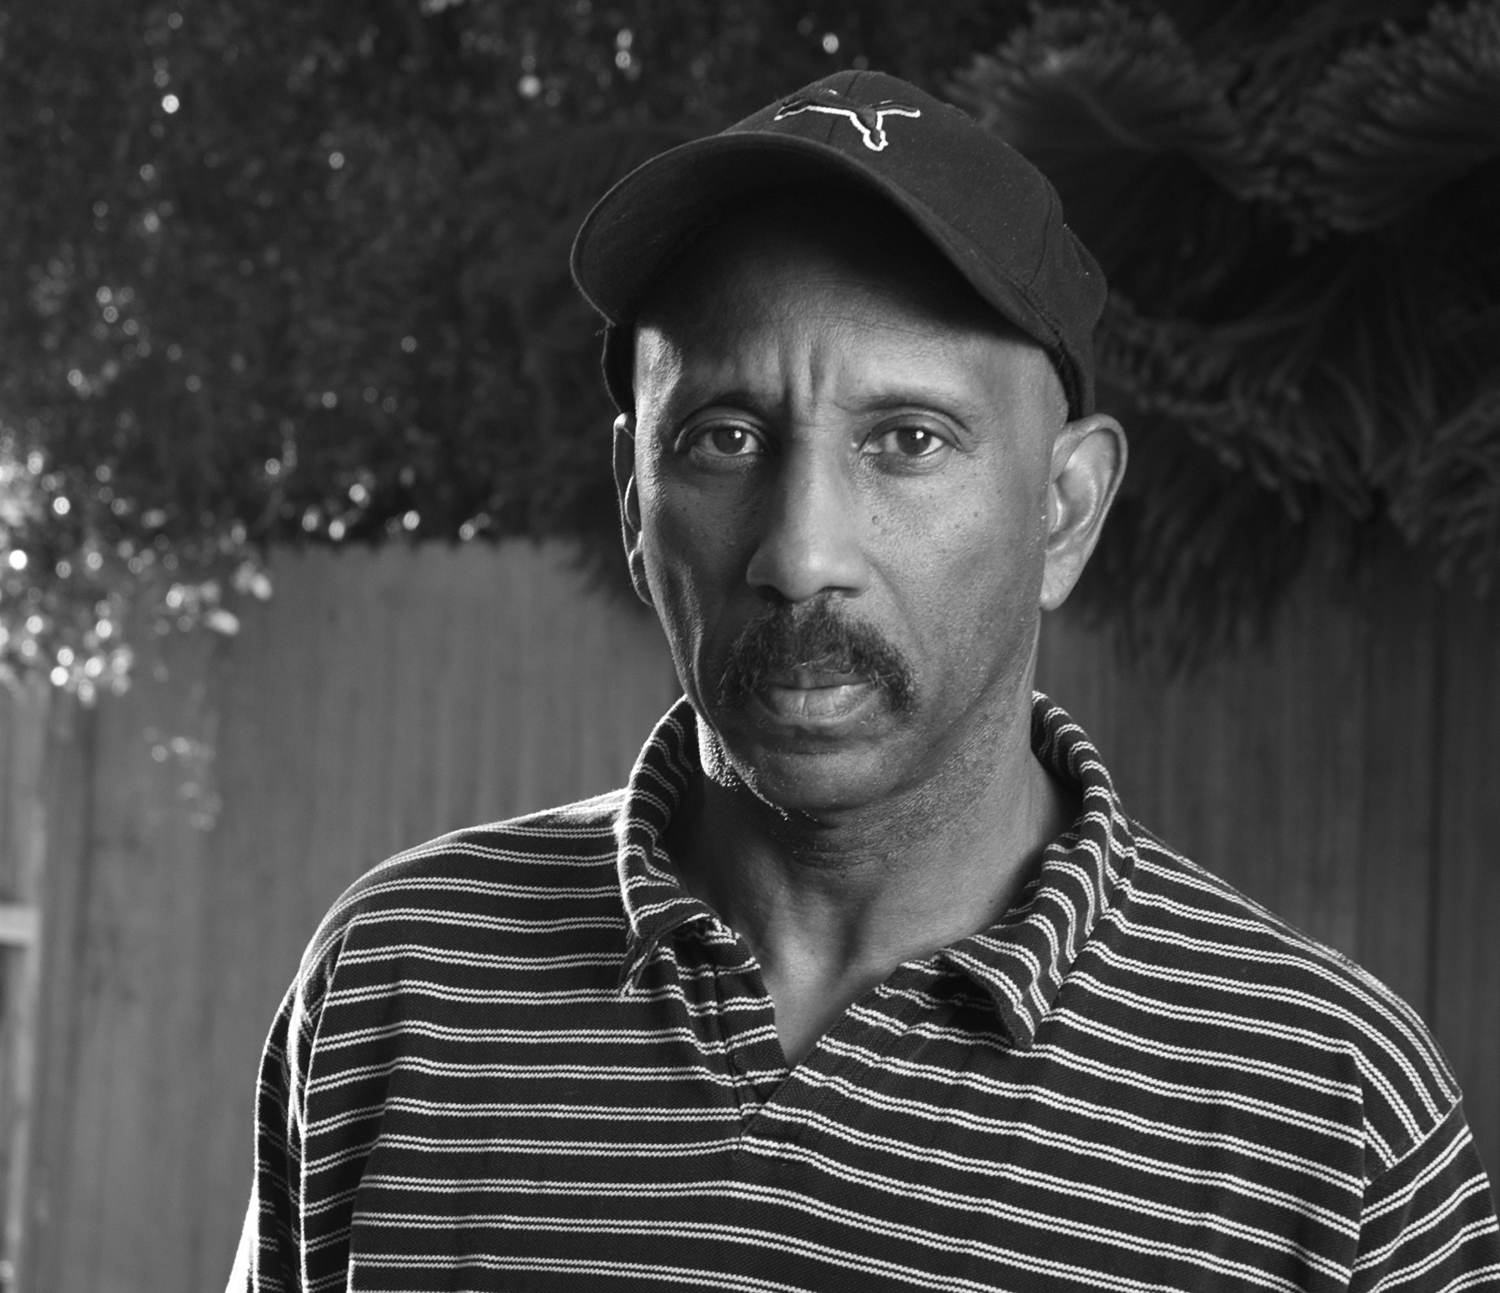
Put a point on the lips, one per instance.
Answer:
(813, 676)
(816, 704)
(814, 693)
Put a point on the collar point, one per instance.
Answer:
(637, 953)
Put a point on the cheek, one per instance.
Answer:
(695, 557)
(971, 569)
(1008, 558)
(688, 538)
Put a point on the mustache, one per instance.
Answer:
(817, 636)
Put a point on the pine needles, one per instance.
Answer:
(1299, 213)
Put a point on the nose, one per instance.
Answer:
(809, 543)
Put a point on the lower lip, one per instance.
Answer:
(818, 706)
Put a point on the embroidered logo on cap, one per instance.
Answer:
(867, 118)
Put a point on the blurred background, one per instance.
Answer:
(308, 547)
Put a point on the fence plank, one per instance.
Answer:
(138, 948)
(1398, 866)
(24, 712)
(1465, 952)
(68, 778)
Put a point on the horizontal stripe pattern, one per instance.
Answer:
(523, 1057)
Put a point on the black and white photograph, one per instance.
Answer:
(749, 646)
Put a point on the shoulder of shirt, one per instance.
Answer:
(1292, 981)
(555, 847)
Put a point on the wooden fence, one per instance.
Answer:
(180, 842)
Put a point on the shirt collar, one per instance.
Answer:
(655, 902)
(1020, 961)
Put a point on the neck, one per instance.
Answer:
(831, 904)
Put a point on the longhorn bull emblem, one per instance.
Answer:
(867, 118)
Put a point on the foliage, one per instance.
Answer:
(298, 272)
(1296, 207)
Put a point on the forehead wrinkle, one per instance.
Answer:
(774, 365)
(794, 362)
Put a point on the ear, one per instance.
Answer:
(630, 503)
(1088, 463)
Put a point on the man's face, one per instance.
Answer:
(840, 474)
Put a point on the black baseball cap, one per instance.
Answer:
(984, 206)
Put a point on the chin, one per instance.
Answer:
(800, 771)
(812, 787)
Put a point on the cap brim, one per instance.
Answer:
(640, 224)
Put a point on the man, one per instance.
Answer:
(866, 981)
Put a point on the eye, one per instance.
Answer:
(725, 440)
(908, 441)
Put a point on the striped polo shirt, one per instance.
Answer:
(524, 1057)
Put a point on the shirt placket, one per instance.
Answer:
(742, 1018)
